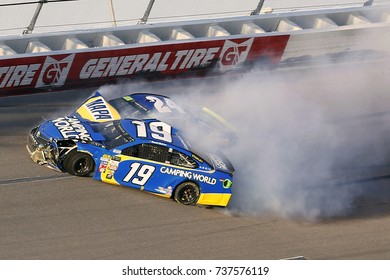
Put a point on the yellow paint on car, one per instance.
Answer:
(100, 112)
(218, 199)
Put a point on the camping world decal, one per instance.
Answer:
(101, 65)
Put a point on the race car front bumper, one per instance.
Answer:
(42, 150)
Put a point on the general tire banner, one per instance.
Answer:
(31, 73)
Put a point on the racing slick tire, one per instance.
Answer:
(78, 164)
(187, 193)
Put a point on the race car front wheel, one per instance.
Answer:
(187, 193)
(78, 164)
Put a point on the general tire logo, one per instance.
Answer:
(54, 72)
(234, 53)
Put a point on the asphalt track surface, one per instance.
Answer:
(48, 215)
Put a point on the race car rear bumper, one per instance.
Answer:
(215, 199)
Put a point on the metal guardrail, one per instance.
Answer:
(71, 59)
(38, 14)
(193, 30)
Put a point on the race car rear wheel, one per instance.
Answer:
(187, 193)
(78, 164)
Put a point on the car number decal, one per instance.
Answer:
(160, 130)
(139, 174)
(164, 105)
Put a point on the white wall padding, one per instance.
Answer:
(147, 37)
(357, 19)
(110, 40)
(323, 22)
(251, 28)
(5, 50)
(180, 34)
(73, 44)
(287, 25)
(216, 31)
(37, 46)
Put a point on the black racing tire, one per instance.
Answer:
(187, 193)
(78, 164)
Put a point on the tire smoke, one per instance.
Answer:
(311, 141)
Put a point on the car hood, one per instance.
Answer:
(96, 109)
(69, 127)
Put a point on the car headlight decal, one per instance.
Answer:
(227, 183)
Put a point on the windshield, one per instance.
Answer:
(127, 109)
(113, 133)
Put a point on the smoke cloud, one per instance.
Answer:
(304, 140)
(310, 141)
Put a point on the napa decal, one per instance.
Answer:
(71, 128)
(188, 174)
(98, 109)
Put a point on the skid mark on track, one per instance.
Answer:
(34, 179)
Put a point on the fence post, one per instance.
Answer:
(30, 28)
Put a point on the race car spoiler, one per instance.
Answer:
(221, 162)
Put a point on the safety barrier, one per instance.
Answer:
(33, 63)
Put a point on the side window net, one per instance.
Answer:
(160, 154)
(182, 160)
(147, 151)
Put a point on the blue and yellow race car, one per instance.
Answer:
(148, 154)
(150, 105)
